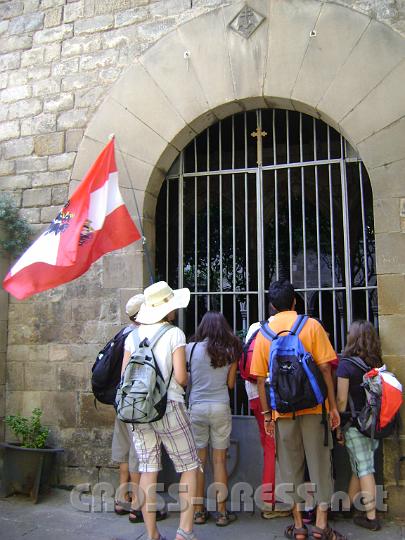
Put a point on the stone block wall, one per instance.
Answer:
(4, 263)
(58, 59)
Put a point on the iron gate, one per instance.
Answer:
(264, 195)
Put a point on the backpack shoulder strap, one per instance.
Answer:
(267, 332)
(253, 335)
(191, 355)
(357, 361)
(299, 324)
(155, 338)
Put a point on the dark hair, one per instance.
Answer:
(223, 346)
(281, 295)
(363, 341)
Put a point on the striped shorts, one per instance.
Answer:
(174, 432)
(361, 452)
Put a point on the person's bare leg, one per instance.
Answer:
(354, 489)
(321, 517)
(367, 485)
(220, 476)
(188, 480)
(202, 454)
(147, 486)
(298, 523)
(124, 477)
(135, 480)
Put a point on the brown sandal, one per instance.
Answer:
(327, 534)
(200, 518)
(292, 532)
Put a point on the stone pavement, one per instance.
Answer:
(54, 518)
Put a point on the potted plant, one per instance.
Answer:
(27, 465)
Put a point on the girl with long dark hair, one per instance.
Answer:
(212, 359)
(363, 343)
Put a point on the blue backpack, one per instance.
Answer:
(294, 381)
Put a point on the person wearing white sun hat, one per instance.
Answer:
(174, 429)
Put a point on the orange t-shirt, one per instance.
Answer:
(314, 339)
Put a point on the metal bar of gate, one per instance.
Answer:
(278, 166)
(304, 236)
(275, 195)
(346, 243)
(180, 263)
(246, 216)
(318, 247)
(208, 223)
(259, 228)
(167, 231)
(332, 250)
(364, 225)
(233, 228)
(290, 235)
(221, 287)
(195, 235)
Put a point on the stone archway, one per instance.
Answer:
(319, 58)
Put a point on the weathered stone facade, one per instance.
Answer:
(72, 72)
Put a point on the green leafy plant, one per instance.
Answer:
(17, 232)
(29, 431)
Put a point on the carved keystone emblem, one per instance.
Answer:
(246, 22)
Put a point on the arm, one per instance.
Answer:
(342, 393)
(268, 422)
(125, 360)
(179, 366)
(232, 375)
(333, 412)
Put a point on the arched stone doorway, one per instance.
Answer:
(237, 212)
(304, 56)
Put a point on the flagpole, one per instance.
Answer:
(144, 242)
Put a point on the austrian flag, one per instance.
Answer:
(93, 222)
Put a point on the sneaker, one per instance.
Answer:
(370, 524)
(272, 514)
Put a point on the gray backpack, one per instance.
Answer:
(142, 394)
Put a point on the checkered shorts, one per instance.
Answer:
(361, 452)
(174, 432)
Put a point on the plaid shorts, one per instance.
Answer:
(361, 452)
(174, 432)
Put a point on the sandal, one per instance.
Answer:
(120, 509)
(200, 518)
(185, 535)
(224, 519)
(293, 532)
(370, 524)
(135, 516)
(326, 534)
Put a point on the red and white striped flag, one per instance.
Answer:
(94, 221)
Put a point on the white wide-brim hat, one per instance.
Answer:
(160, 299)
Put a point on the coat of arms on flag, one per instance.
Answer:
(93, 222)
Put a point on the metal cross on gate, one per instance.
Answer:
(259, 134)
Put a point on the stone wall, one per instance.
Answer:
(58, 61)
(4, 263)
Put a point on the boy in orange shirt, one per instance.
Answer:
(301, 438)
